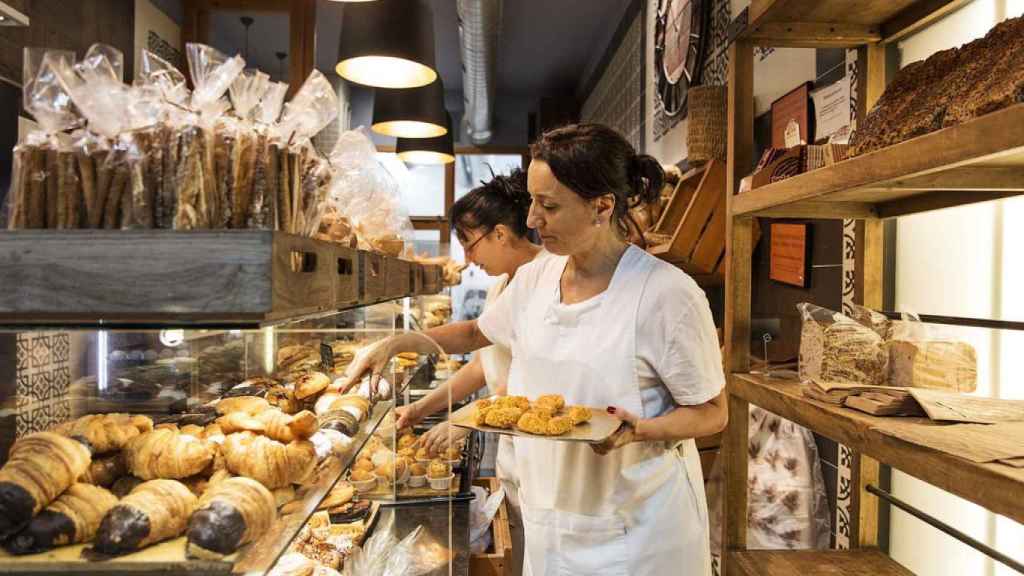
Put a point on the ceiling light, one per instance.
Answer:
(411, 112)
(387, 44)
(437, 150)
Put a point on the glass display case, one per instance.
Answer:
(171, 418)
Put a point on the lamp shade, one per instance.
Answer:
(387, 44)
(410, 112)
(437, 150)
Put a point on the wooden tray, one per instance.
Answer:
(166, 558)
(601, 426)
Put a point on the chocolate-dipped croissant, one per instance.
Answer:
(231, 513)
(39, 468)
(154, 511)
(72, 518)
(267, 461)
(105, 471)
(166, 453)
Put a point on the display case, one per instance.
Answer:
(169, 404)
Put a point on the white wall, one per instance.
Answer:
(961, 262)
(149, 17)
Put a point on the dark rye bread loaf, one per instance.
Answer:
(950, 87)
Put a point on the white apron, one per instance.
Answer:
(637, 511)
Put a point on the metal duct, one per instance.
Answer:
(479, 28)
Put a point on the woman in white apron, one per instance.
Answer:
(604, 324)
(490, 222)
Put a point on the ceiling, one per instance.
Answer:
(547, 47)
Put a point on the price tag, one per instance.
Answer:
(326, 358)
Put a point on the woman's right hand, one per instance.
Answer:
(372, 359)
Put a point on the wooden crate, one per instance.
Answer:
(347, 292)
(499, 555)
(694, 219)
(418, 278)
(432, 279)
(371, 288)
(146, 276)
(397, 278)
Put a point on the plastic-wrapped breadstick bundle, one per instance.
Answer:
(266, 185)
(212, 75)
(43, 188)
(248, 172)
(303, 175)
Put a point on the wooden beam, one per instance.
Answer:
(738, 268)
(917, 16)
(981, 178)
(813, 34)
(936, 201)
(822, 210)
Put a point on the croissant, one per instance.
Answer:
(104, 471)
(167, 454)
(154, 511)
(72, 518)
(285, 428)
(268, 461)
(106, 432)
(40, 466)
(247, 404)
(234, 512)
(310, 384)
(283, 399)
(124, 485)
(240, 422)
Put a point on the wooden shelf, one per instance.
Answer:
(201, 278)
(973, 162)
(813, 563)
(996, 487)
(839, 23)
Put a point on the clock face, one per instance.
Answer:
(678, 50)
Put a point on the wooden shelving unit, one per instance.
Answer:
(976, 161)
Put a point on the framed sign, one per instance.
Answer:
(791, 122)
(790, 254)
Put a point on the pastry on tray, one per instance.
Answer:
(72, 518)
(154, 511)
(232, 513)
(39, 468)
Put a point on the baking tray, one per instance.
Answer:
(600, 427)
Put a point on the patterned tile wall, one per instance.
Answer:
(43, 376)
(617, 98)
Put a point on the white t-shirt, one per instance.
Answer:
(678, 361)
(497, 359)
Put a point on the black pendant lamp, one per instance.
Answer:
(387, 44)
(437, 150)
(410, 112)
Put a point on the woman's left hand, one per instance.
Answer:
(441, 437)
(625, 434)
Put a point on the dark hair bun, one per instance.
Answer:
(648, 178)
(513, 186)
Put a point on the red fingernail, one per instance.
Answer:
(611, 410)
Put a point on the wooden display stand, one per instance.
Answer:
(695, 219)
(980, 160)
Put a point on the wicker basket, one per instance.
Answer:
(705, 137)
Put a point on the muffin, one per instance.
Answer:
(407, 440)
(418, 469)
(438, 469)
(362, 475)
(407, 452)
(422, 455)
(453, 453)
(364, 464)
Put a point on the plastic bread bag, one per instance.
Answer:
(924, 355)
(269, 109)
(836, 348)
(35, 180)
(312, 108)
(787, 500)
(163, 78)
(240, 156)
(212, 74)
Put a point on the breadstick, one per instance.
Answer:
(105, 170)
(70, 189)
(88, 171)
(112, 212)
(243, 179)
(259, 207)
(169, 190)
(49, 203)
(284, 197)
(224, 149)
(36, 205)
(273, 169)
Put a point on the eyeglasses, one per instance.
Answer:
(469, 249)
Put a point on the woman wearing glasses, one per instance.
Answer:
(604, 324)
(490, 222)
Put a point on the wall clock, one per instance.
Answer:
(680, 35)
